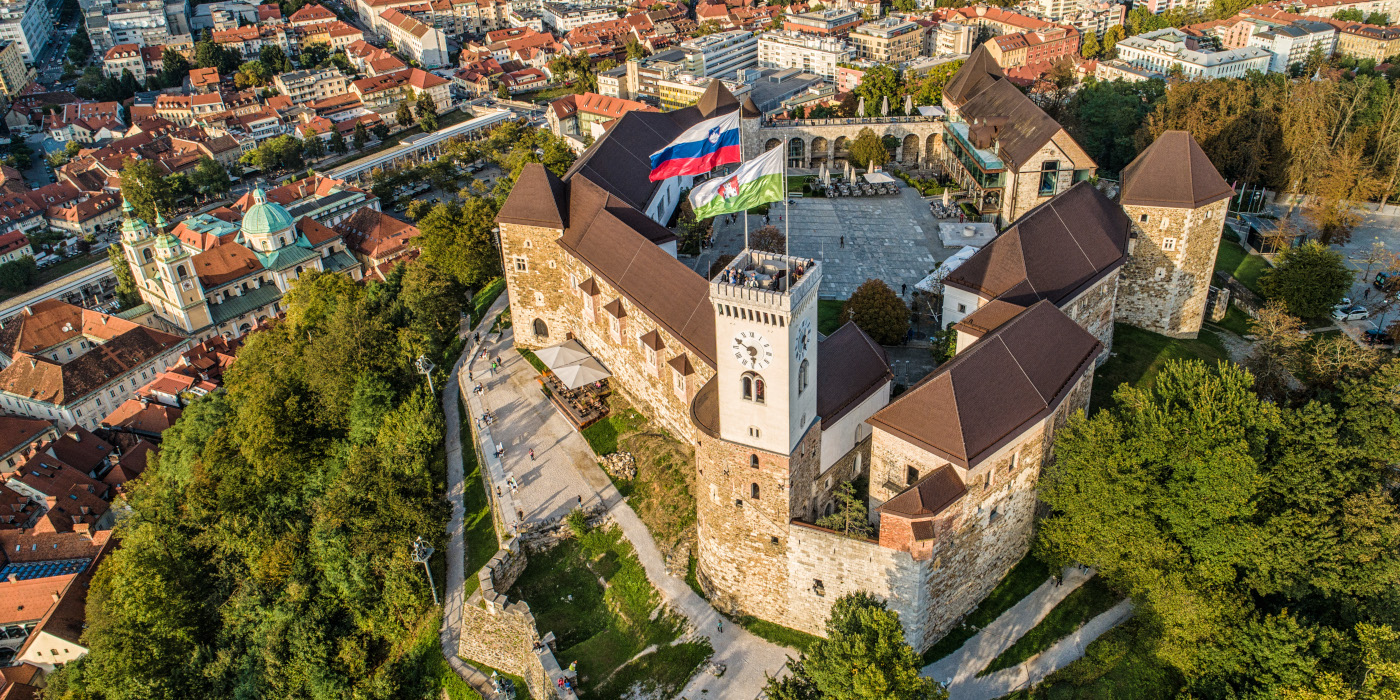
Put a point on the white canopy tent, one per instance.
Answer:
(582, 372)
(934, 282)
(878, 178)
(565, 353)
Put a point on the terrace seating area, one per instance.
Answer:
(583, 406)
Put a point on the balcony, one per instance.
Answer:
(782, 281)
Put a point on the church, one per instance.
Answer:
(781, 416)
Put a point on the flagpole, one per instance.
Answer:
(787, 217)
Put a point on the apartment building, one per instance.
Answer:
(422, 43)
(310, 85)
(1166, 49)
(14, 75)
(955, 38)
(142, 22)
(1363, 41)
(564, 17)
(721, 54)
(27, 23)
(384, 92)
(892, 39)
(1291, 44)
(807, 52)
(1041, 46)
(833, 22)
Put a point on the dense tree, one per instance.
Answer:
(427, 112)
(127, 292)
(312, 146)
(850, 517)
(1090, 48)
(769, 238)
(1104, 116)
(1309, 279)
(635, 50)
(274, 59)
(360, 137)
(1111, 38)
(338, 145)
(1251, 535)
(868, 148)
(211, 177)
(174, 67)
(880, 82)
(18, 275)
(878, 311)
(403, 114)
(864, 657)
(266, 552)
(577, 70)
(80, 46)
(314, 55)
(145, 187)
(1350, 14)
(380, 131)
(457, 238)
(927, 89)
(208, 54)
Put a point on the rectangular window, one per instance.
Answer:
(1049, 177)
(1169, 244)
(615, 327)
(678, 383)
(520, 264)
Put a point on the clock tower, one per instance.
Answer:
(762, 452)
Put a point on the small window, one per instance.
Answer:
(678, 383)
(753, 491)
(962, 308)
(551, 264)
(747, 384)
(738, 503)
(753, 459)
(528, 244)
(521, 265)
(802, 378)
(911, 475)
(1169, 244)
(987, 481)
(1142, 218)
(818, 587)
(773, 539)
(754, 432)
(539, 299)
(1049, 177)
(995, 516)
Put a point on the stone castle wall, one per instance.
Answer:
(823, 565)
(547, 290)
(1022, 192)
(829, 139)
(1093, 311)
(1166, 280)
(502, 634)
(741, 540)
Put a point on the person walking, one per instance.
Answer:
(720, 622)
(532, 454)
(843, 241)
(903, 288)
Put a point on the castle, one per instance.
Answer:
(781, 416)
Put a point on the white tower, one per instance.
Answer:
(766, 332)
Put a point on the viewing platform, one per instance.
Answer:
(781, 282)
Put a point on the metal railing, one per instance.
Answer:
(844, 121)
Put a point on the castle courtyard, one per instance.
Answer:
(894, 239)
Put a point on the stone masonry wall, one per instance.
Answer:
(813, 491)
(1166, 280)
(1022, 192)
(547, 290)
(823, 566)
(502, 634)
(1093, 311)
(742, 540)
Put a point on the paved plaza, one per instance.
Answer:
(894, 239)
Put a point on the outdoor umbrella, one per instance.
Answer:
(580, 373)
(565, 353)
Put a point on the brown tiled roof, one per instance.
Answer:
(79, 448)
(41, 379)
(131, 465)
(51, 322)
(16, 432)
(141, 415)
(988, 317)
(542, 200)
(1054, 252)
(1027, 129)
(980, 400)
(27, 545)
(929, 496)
(850, 368)
(316, 232)
(601, 235)
(978, 72)
(225, 263)
(375, 234)
(30, 599)
(1173, 172)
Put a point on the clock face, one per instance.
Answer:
(802, 339)
(752, 350)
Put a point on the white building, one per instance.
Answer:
(1165, 49)
(806, 52)
(424, 44)
(144, 23)
(564, 17)
(720, 55)
(1292, 43)
(29, 24)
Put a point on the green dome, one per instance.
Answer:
(167, 241)
(264, 217)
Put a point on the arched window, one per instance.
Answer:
(146, 254)
(758, 389)
(747, 383)
(753, 461)
(911, 475)
(541, 329)
(181, 272)
(753, 491)
(802, 377)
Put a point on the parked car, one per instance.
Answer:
(1350, 313)
(1376, 336)
(1381, 280)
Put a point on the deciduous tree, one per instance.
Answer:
(878, 311)
(1309, 279)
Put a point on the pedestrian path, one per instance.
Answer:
(958, 671)
(450, 634)
(564, 474)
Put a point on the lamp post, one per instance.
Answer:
(425, 366)
(421, 554)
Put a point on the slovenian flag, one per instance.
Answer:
(700, 149)
(757, 181)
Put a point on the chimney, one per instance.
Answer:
(12, 578)
(55, 596)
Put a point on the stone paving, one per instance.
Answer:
(894, 239)
(564, 471)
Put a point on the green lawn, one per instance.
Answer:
(1018, 583)
(778, 634)
(594, 595)
(1117, 665)
(485, 298)
(477, 522)
(1235, 321)
(1235, 260)
(602, 436)
(829, 315)
(1138, 355)
(661, 492)
(1085, 603)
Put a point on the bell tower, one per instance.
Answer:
(764, 439)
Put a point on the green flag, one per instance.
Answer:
(755, 182)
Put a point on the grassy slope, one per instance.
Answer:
(1138, 355)
(1246, 268)
(829, 315)
(478, 525)
(1018, 583)
(1086, 602)
(1118, 665)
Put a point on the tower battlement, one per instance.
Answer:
(758, 278)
